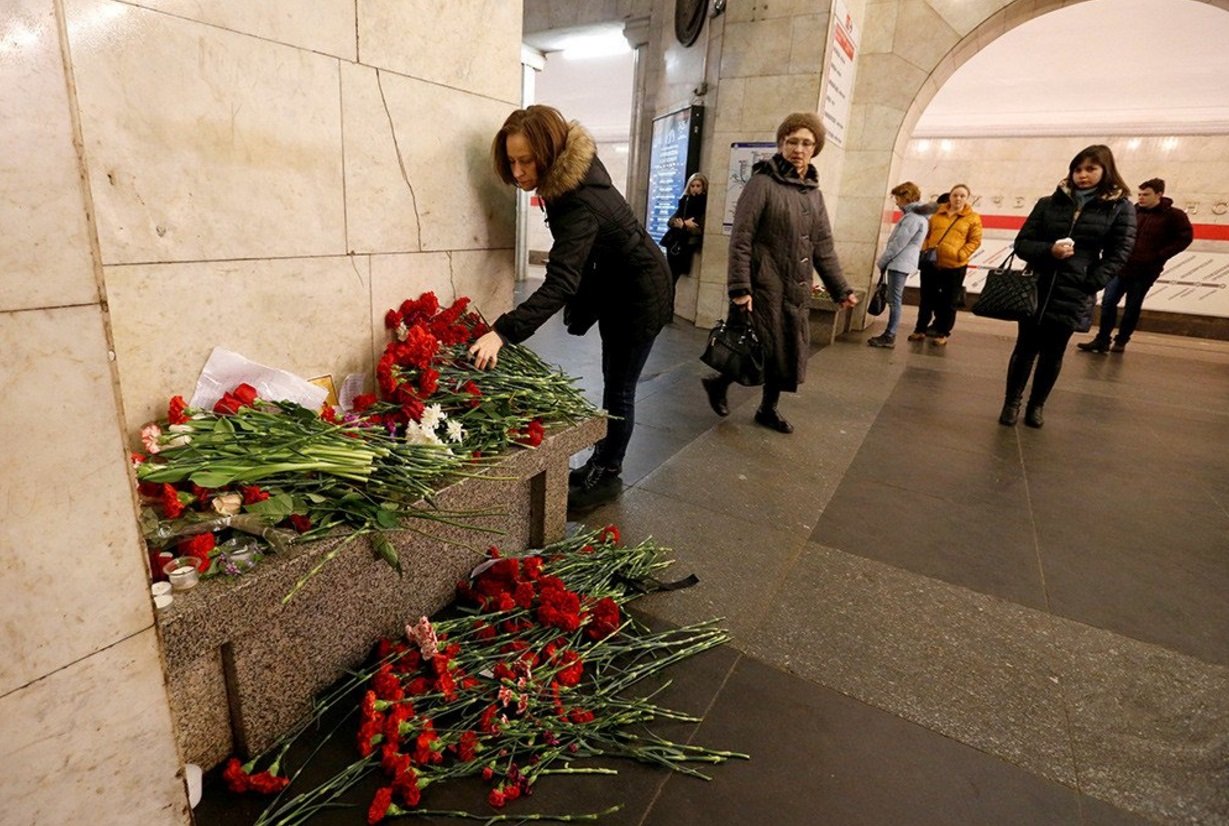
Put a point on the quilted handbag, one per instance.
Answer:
(735, 351)
(1008, 294)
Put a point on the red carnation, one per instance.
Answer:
(246, 394)
(391, 319)
(198, 546)
(253, 494)
(496, 798)
(171, 506)
(380, 805)
(363, 401)
(228, 405)
(301, 523)
(175, 412)
(604, 619)
(609, 534)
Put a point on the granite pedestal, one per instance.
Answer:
(242, 667)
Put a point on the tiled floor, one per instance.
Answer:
(936, 619)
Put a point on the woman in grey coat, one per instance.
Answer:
(780, 233)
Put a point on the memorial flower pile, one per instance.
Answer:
(533, 673)
(266, 473)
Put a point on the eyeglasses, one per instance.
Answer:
(796, 142)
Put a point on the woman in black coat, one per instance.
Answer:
(686, 233)
(1074, 241)
(603, 268)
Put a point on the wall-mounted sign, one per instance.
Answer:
(839, 72)
(743, 156)
(674, 156)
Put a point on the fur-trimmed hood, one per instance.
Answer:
(572, 165)
(1113, 195)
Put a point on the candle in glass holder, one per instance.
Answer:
(182, 573)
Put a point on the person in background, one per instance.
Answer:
(955, 234)
(603, 268)
(1161, 232)
(900, 256)
(780, 235)
(1075, 241)
(686, 233)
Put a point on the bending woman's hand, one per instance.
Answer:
(850, 300)
(743, 302)
(485, 351)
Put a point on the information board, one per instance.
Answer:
(673, 158)
(839, 73)
(743, 156)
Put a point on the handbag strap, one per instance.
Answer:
(945, 232)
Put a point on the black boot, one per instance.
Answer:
(1011, 412)
(1097, 345)
(596, 486)
(715, 387)
(1032, 415)
(772, 420)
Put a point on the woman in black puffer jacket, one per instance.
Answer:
(1074, 241)
(603, 268)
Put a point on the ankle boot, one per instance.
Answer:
(772, 420)
(1032, 415)
(715, 388)
(1010, 413)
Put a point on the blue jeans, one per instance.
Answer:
(621, 367)
(896, 295)
(1135, 289)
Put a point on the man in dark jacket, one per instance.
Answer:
(1161, 232)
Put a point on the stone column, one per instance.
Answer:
(637, 33)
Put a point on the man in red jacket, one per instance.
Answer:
(1161, 232)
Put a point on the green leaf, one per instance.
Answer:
(213, 478)
(386, 551)
(386, 519)
(275, 508)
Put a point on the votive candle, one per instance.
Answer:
(183, 574)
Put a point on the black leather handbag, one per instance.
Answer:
(879, 298)
(734, 350)
(1008, 294)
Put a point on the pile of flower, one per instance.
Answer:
(263, 473)
(534, 673)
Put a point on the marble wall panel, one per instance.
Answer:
(879, 30)
(965, 15)
(742, 11)
(757, 48)
(922, 36)
(311, 316)
(411, 189)
(413, 37)
(92, 743)
(65, 495)
(486, 276)
(873, 126)
(769, 99)
(807, 40)
(45, 249)
(325, 26)
(888, 80)
(202, 143)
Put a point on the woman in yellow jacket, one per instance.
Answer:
(955, 234)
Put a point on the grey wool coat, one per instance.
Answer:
(780, 233)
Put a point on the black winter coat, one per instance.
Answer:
(603, 266)
(1103, 231)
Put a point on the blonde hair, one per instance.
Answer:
(908, 190)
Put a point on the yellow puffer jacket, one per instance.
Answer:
(960, 242)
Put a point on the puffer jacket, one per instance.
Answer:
(905, 242)
(603, 266)
(1104, 233)
(781, 232)
(956, 234)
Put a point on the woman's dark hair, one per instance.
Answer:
(803, 120)
(908, 190)
(542, 126)
(1101, 155)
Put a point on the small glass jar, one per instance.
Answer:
(182, 572)
(243, 557)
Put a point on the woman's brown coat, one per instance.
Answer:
(780, 233)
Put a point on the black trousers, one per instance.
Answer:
(622, 364)
(1041, 345)
(940, 298)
